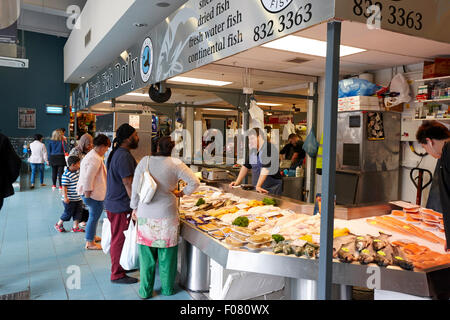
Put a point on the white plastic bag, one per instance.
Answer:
(400, 85)
(129, 258)
(106, 235)
(148, 186)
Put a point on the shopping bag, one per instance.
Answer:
(311, 146)
(129, 258)
(148, 186)
(106, 235)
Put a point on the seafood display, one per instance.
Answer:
(254, 225)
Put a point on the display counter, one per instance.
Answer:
(429, 283)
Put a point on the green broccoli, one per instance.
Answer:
(241, 222)
(277, 237)
(269, 201)
(200, 202)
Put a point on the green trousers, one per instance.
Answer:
(167, 269)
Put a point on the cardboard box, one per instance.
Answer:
(363, 101)
(439, 68)
(364, 108)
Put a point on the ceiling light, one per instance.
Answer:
(208, 109)
(308, 46)
(163, 4)
(109, 101)
(268, 104)
(200, 81)
(137, 94)
(82, 77)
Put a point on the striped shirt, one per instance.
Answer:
(70, 180)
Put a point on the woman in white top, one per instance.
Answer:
(158, 221)
(37, 159)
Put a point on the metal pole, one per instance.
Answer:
(329, 160)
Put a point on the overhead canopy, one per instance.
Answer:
(202, 32)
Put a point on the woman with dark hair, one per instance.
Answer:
(92, 187)
(435, 139)
(158, 221)
(38, 159)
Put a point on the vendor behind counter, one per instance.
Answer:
(266, 177)
(293, 151)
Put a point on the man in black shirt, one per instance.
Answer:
(293, 151)
(435, 139)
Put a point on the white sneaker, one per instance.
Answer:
(53, 188)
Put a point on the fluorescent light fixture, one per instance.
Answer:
(308, 46)
(268, 104)
(218, 109)
(137, 94)
(109, 101)
(200, 81)
(54, 110)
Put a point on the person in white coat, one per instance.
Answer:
(38, 159)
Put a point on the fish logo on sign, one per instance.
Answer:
(274, 6)
(146, 59)
(86, 95)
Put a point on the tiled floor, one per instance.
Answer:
(34, 256)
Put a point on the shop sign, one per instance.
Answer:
(26, 118)
(134, 121)
(426, 19)
(198, 33)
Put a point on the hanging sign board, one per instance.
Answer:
(429, 19)
(198, 33)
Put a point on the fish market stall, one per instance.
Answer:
(280, 237)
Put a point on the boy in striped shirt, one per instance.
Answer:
(73, 205)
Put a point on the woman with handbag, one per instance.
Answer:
(92, 187)
(58, 150)
(158, 220)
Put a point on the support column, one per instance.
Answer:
(329, 160)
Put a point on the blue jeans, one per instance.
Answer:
(37, 167)
(95, 211)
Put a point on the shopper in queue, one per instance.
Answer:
(435, 139)
(71, 200)
(121, 166)
(10, 164)
(85, 144)
(57, 148)
(38, 159)
(92, 187)
(158, 221)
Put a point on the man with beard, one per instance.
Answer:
(121, 165)
(293, 151)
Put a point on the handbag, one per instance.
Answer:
(147, 186)
(66, 155)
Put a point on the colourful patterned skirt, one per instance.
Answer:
(158, 233)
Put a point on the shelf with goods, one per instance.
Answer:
(447, 78)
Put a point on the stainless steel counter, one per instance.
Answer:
(434, 282)
(425, 284)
